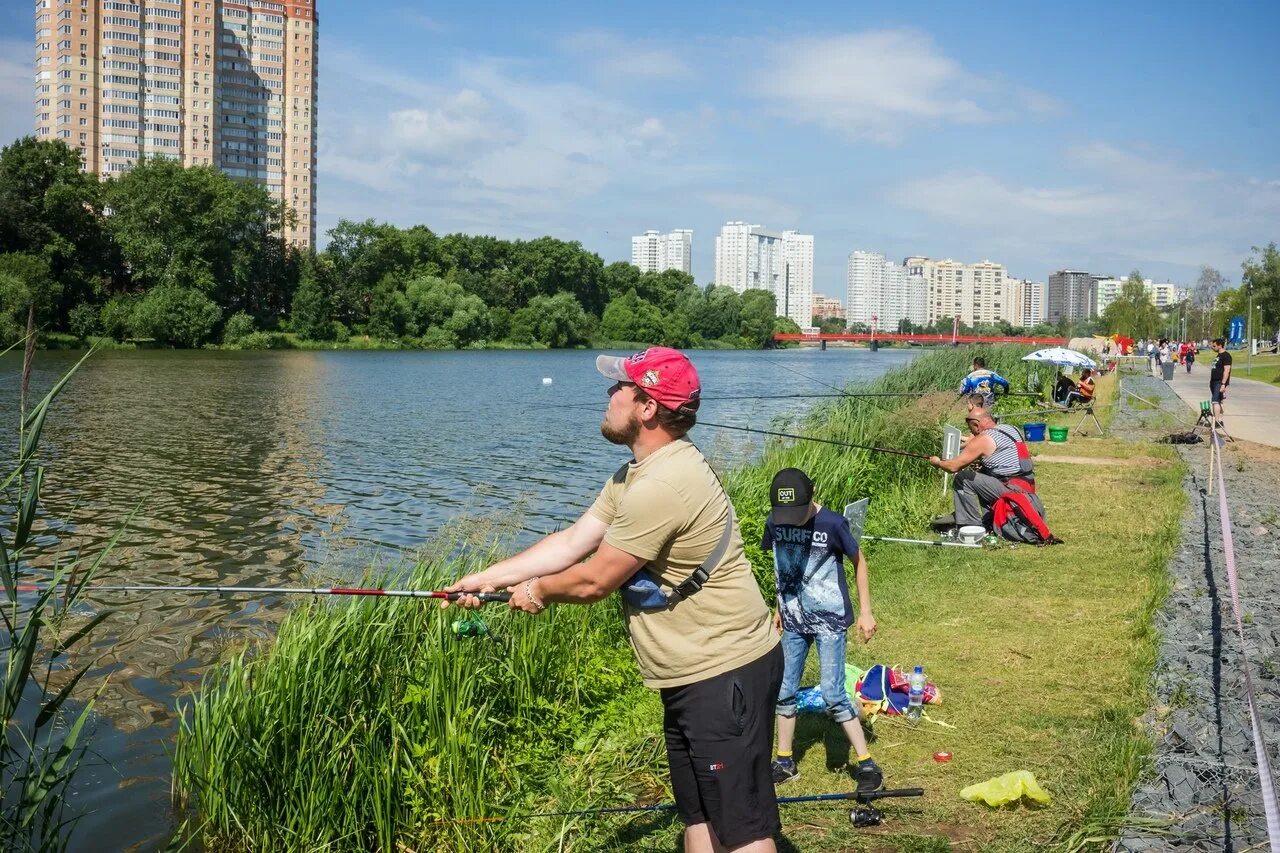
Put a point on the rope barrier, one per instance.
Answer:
(1266, 780)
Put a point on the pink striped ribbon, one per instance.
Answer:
(1259, 746)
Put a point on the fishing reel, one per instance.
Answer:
(470, 626)
(865, 814)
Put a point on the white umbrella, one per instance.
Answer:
(1061, 356)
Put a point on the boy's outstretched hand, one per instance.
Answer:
(866, 626)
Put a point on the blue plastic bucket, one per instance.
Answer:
(1034, 432)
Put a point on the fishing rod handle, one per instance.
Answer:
(483, 596)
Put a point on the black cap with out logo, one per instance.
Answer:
(790, 494)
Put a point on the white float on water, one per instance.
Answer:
(546, 380)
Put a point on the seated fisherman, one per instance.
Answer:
(1004, 463)
(1083, 392)
(983, 381)
(1062, 388)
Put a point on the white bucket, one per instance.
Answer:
(971, 534)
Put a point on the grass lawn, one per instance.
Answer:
(1042, 655)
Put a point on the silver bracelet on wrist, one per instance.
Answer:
(528, 592)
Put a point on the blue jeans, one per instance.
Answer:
(795, 648)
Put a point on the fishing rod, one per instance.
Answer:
(856, 514)
(864, 814)
(831, 441)
(294, 590)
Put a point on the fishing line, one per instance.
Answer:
(293, 590)
(832, 441)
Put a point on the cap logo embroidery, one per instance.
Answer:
(649, 379)
(786, 496)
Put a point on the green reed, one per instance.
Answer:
(368, 725)
(41, 741)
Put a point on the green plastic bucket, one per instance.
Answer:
(1058, 433)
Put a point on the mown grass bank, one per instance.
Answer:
(366, 725)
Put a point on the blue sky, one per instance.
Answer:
(1102, 136)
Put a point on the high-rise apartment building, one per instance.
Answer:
(1106, 290)
(749, 257)
(795, 289)
(881, 294)
(976, 293)
(1162, 294)
(1073, 295)
(653, 251)
(1030, 303)
(223, 83)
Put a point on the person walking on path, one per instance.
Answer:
(1004, 464)
(663, 533)
(1191, 356)
(809, 545)
(1219, 379)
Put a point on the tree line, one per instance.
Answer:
(186, 257)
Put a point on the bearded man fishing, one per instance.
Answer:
(663, 533)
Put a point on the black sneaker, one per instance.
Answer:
(783, 773)
(943, 522)
(867, 775)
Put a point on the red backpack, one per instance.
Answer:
(1018, 515)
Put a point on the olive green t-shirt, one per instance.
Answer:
(670, 510)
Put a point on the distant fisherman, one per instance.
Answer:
(1004, 464)
(983, 381)
(663, 533)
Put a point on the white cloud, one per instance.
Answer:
(615, 57)
(1116, 208)
(17, 88)
(879, 84)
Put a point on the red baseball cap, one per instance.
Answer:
(667, 375)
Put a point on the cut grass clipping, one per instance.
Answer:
(366, 725)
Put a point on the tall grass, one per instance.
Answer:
(369, 725)
(41, 742)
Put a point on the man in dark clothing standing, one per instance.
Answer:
(1219, 379)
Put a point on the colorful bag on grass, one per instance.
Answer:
(885, 690)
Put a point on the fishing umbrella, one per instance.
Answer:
(1061, 356)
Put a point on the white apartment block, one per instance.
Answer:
(795, 289)
(1030, 308)
(653, 251)
(976, 293)
(1108, 290)
(881, 293)
(827, 308)
(750, 258)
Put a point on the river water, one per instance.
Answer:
(278, 467)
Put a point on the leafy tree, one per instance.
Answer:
(557, 321)
(198, 228)
(364, 253)
(388, 310)
(117, 316)
(714, 313)
(548, 266)
(785, 326)
(436, 303)
(27, 291)
(310, 312)
(1262, 277)
(178, 316)
(1132, 313)
(85, 321)
(51, 209)
(620, 278)
(630, 318)
(676, 331)
(757, 309)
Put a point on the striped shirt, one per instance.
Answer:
(1003, 461)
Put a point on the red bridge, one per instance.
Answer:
(919, 339)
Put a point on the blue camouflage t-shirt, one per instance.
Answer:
(808, 563)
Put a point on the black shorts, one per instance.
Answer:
(719, 735)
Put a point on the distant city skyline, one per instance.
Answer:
(914, 129)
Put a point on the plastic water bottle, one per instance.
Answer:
(915, 701)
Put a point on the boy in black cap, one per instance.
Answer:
(809, 544)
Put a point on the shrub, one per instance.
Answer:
(85, 321)
(117, 317)
(240, 326)
(179, 316)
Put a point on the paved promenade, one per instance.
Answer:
(1252, 409)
